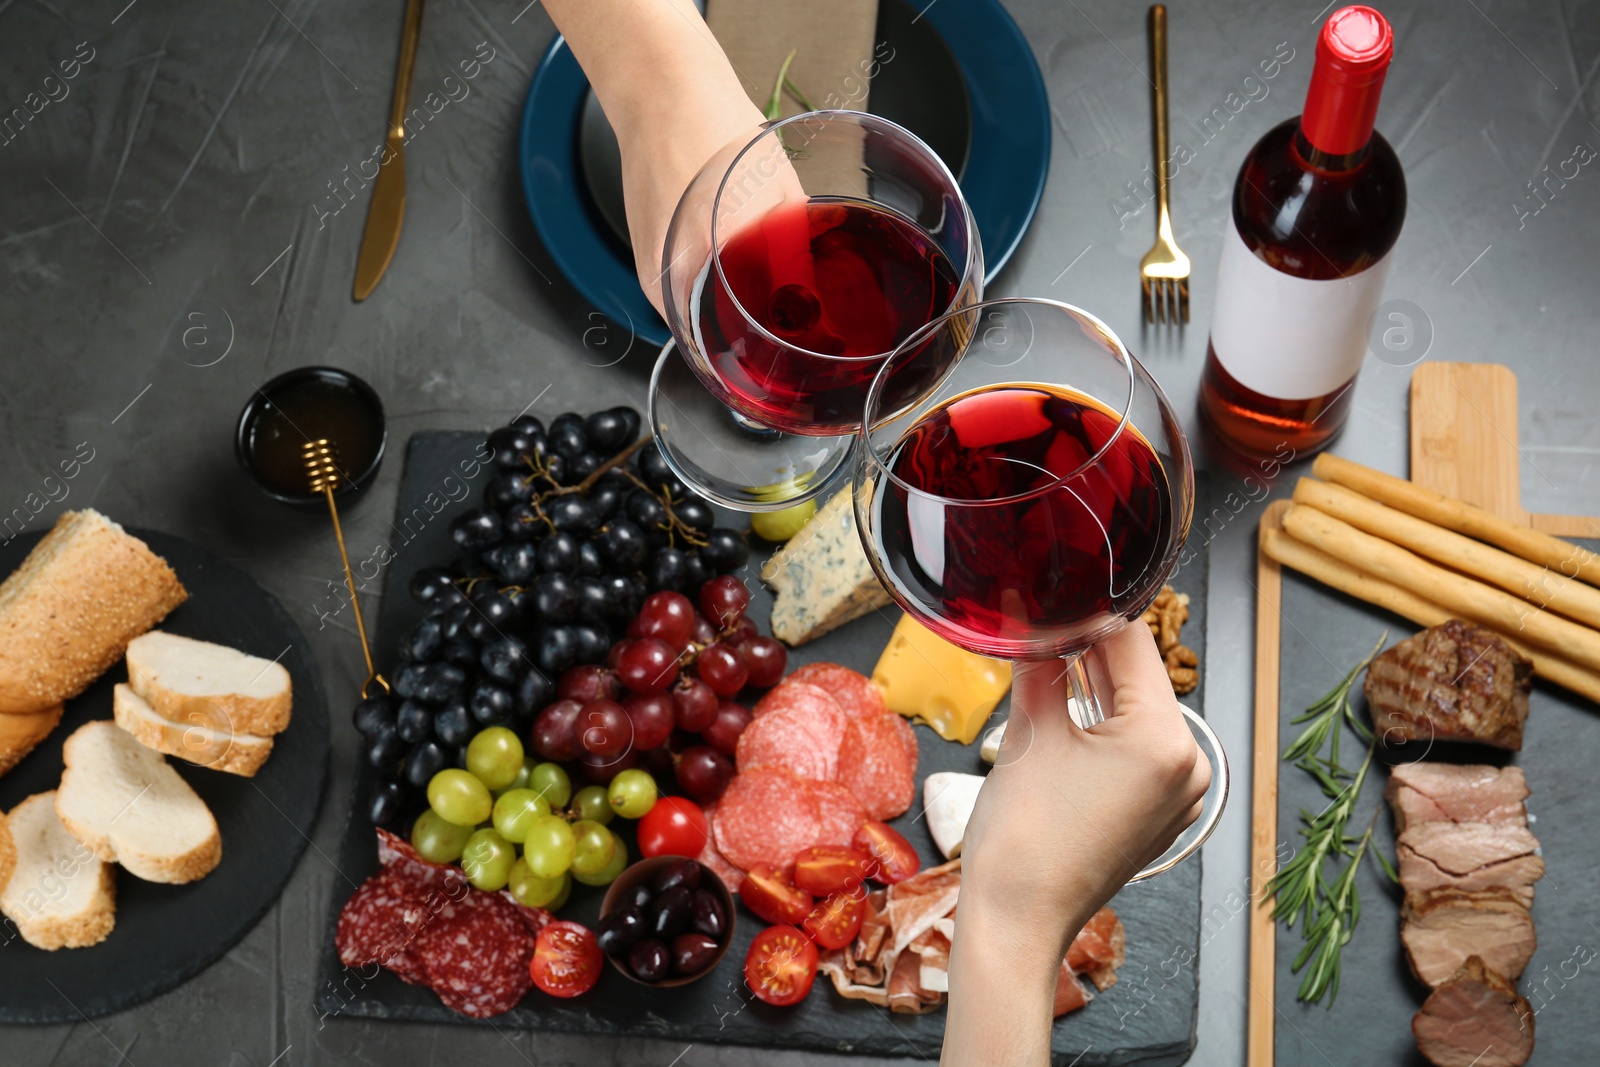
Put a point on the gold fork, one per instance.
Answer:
(1164, 270)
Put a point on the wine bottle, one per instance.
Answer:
(1317, 207)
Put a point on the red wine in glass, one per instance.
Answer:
(1040, 523)
(809, 301)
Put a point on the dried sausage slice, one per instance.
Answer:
(853, 690)
(766, 815)
(839, 812)
(873, 765)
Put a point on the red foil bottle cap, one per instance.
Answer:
(1353, 53)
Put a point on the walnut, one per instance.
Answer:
(1165, 617)
(1181, 662)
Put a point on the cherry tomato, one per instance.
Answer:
(896, 859)
(773, 896)
(566, 960)
(837, 920)
(825, 869)
(781, 965)
(674, 827)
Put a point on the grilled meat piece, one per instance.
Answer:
(1447, 792)
(1475, 1019)
(1453, 682)
(1442, 927)
(1469, 855)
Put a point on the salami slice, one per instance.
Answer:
(790, 739)
(372, 929)
(766, 815)
(401, 861)
(873, 765)
(535, 919)
(908, 738)
(813, 700)
(476, 952)
(731, 876)
(853, 690)
(839, 812)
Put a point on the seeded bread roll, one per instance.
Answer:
(20, 733)
(70, 610)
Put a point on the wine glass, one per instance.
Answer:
(1035, 501)
(794, 264)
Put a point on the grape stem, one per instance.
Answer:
(675, 527)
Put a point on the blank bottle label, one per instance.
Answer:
(1287, 337)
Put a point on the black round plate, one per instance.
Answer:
(922, 89)
(166, 934)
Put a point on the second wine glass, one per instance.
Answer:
(1035, 501)
(795, 264)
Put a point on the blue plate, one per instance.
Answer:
(1006, 159)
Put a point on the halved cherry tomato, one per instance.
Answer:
(674, 827)
(773, 896)
(836, 921)
(781, 965)
(895, 857)
(825, 869)
(566, 959)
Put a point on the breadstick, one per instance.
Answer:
(1466, 597)
(1314, 563)
(1536, 584)
(1541, 548)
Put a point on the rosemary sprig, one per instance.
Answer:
(774, 110)
(1300, 891)
(785, 84)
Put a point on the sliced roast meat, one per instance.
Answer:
(1475, 1019)
(1470, 855)
(1453, 682)
(1442, 927)
(1447, 792)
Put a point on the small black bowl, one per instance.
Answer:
(644, 871)
(303, 405)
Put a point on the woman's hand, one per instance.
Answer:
(1064, 819)
(672, 98)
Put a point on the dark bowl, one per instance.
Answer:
(646, 871)
(329, 402)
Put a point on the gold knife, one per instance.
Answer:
(388, 207)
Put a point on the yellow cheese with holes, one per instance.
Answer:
(925, 677)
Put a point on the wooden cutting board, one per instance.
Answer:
(1464, 444)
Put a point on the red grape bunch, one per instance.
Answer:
(664, 700)
(577, 527)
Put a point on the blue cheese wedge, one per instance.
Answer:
(821, 577)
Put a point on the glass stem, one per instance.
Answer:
(1083, 705)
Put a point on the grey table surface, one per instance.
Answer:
(169, 238)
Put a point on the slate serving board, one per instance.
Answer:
(1324, 634)
(167, 934)
(1147, 1018)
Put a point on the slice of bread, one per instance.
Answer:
(123, 801)
(70, 610)
(198, 683)
(8, 852)
(20, 732)
(201, 745)
(60, 895)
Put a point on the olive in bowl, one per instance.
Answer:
(666, 921)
